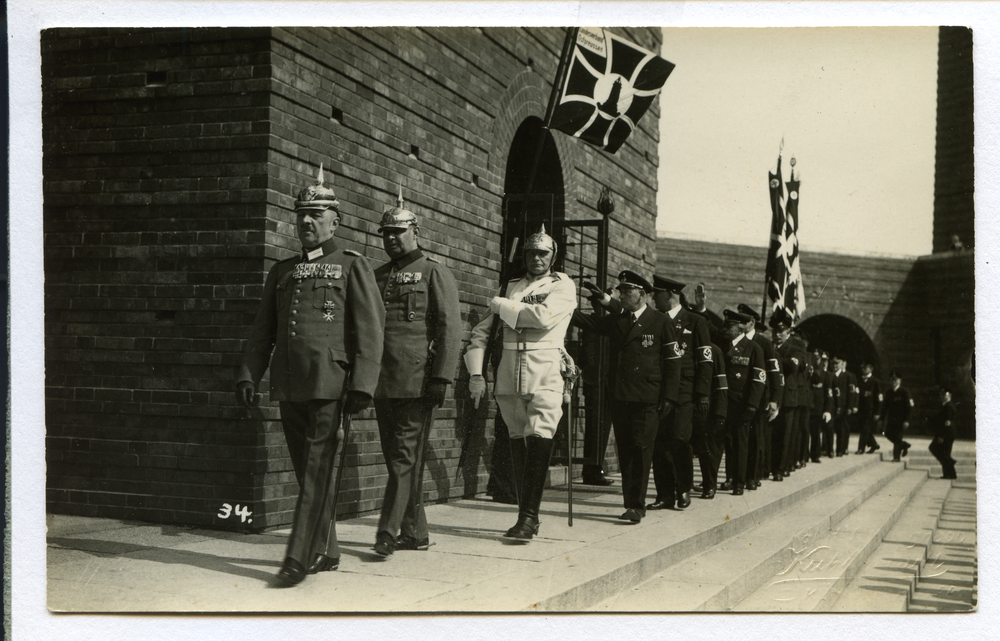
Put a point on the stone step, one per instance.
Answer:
(820, 571)
(949, 581)
(574, 568)
(718, 577)
(885, 583)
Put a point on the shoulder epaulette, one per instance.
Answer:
(432, 259)
(351, 252)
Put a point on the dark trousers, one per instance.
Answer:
(827, 430)
(673, 462)
(737, 446)
(802, 419)
(311, 433)
(403, 424)
(755, 447)
(816, 427)
(894, 432)
(597, 432)
(941, 449)
(866, 432)
(843, 432)
(781, 441)
(707, 441)
(501, 483)
(635, 432)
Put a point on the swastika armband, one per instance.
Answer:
(317, 270)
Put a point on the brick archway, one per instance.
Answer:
(840, 335)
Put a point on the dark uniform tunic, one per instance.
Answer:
(746, 379)
(759, 455)
(423, 337)
(645, 371)
(320, 325)
(785, 435)
(821, 406)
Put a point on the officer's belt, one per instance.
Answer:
(520, 346)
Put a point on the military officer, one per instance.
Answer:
(534, 316)
(800, 341)
(645, 376)
(898, 405)
(322, 319)
(423, 337)
(746, 380)
(821, 408)
(845, 395)
(869, 408)
(759, 454)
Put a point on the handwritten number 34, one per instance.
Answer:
(240, 511)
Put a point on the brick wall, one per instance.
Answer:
(172, 157)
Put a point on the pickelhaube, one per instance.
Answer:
(317, 196)
(398, 217)
(541, 240)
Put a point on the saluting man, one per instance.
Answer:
(645, 376)
(322, 319)
(423, 338)
(534, 317)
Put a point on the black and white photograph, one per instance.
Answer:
(371, 314)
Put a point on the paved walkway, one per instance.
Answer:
(103, 565)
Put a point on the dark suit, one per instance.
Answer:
(898, 405)
(645, 371)
(423, 337)
(323, 320)
(746, 380)
(786, 438)
(821, 402)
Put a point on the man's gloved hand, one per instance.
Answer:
(595, 291)
(356, 401)
(748, 414)
(245, 393)
(436, 390)
(906, 424)
(477, 388)
(701, 407)
(854, 410)
(827, 417)
(664, 408)
(772, 411)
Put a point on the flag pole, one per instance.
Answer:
(769, 260)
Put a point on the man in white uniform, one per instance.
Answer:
(534, 317)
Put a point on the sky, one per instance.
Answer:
(854, 106)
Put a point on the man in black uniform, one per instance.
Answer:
(785, 436)
(322, 317)
(708, 437)
(944, 435)
(645, 375)
(673, 468)
(597, 429)
(841, 397)
(746, 379)
(423, 336)
(759, 455)
(869, 408)
(821, 408)
(898, 404)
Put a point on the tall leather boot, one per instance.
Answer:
(518, 452)
(536, 468)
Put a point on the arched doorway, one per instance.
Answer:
(523, 212)
(840, 335)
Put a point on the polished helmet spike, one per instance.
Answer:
(317, 196)
(398, 217)
(540, 240)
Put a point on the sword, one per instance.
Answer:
(342, 435)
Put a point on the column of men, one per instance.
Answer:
(338, 335)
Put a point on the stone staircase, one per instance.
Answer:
(882, 538)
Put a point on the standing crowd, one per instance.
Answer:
(681, 383)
